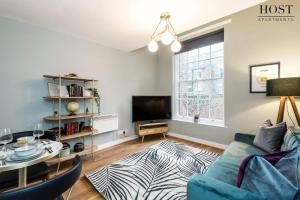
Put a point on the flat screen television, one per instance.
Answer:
(147, 108)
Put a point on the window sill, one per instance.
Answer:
(201, 122)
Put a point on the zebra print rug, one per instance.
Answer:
(160, 172)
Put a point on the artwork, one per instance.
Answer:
(87, 93)
(54, 90)
(259, 74)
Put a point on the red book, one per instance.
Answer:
(72, 129)
(68, 129)
(78, 91)
(77, 127)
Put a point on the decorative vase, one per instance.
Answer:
(196, 118)
(65, 150)
(78, 147)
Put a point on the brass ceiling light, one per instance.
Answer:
(166, 36)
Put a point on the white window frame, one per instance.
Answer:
(202, 121)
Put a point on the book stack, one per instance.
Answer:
(73, 127)
(75, 90)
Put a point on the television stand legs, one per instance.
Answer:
(145, 129)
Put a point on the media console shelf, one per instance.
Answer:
(151, 128)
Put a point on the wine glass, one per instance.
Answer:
(38, 131)
(5, 137)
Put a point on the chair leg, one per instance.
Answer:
(69, 193)
(143, 139)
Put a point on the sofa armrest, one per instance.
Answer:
(244, 137)
(204, 187)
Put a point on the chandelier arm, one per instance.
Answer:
(161, 32)
(172, 29)
(156, 29)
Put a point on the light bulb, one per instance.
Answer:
(176, 46)
(167, 38)
(152, 46)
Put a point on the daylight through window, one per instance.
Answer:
(199, 81)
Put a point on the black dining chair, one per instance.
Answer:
(50, 189)
(35, 172)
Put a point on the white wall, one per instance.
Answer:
(247, 42)
(27, 52)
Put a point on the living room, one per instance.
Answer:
(122, 82)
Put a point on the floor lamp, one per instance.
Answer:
(286, 89)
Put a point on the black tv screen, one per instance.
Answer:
(147, 108)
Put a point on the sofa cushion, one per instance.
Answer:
(202, 187)
(226, 167)
(291, 140)
(269, 138)
(271, 176)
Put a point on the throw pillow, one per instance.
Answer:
(272, 176)
(269, 138)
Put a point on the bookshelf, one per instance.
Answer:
(76, 135)
(66, 117)
(85, 152)
(58, 97)
(62, 119)
(69, 78)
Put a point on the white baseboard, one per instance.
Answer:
(198, 140)
(115, 142)
(189, 138)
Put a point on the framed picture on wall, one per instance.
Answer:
(259, 74)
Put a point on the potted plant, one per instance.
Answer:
(95, 94)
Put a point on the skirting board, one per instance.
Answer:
(116, 142)
(198, 140)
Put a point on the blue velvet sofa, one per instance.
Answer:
(219, 182)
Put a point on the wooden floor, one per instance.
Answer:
(83, 190)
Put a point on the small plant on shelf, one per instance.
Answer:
(96, 94)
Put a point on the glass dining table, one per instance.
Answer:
(47, 151)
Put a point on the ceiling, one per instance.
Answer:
(122, 24)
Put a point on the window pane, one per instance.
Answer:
(185, 87)
(204, 69)
(203, 87)
(217, 111)
(217, 87)
(183, 58)
(204, 106)
(192, 106)
(217, 50)
(204, 53)
(217, 67)
(182, 108)
(199, 78)
(193, 55)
